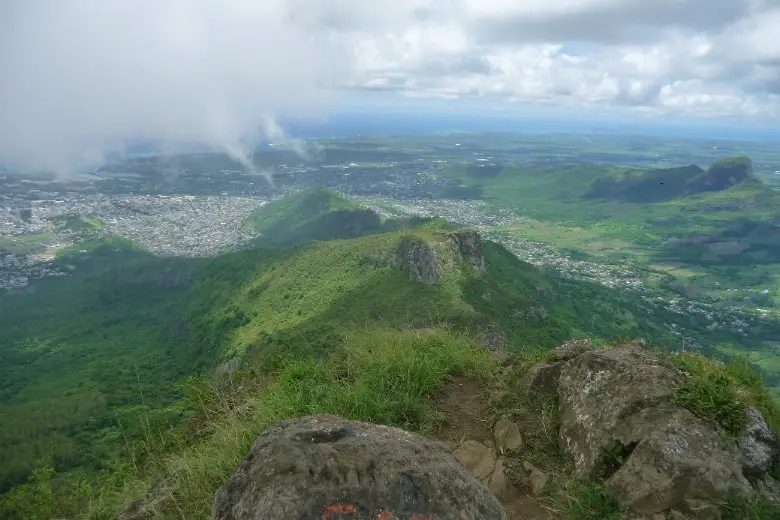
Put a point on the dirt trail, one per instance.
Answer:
(468, 415)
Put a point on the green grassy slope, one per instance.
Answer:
(95, 368)
(93, 358)
(673, 183)
(722, 205)
(314, 214)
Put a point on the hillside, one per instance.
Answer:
(113, 373)
(654, 213)
(672, 183)
(313, 214)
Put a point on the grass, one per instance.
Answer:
(380, 375)
(752, 507)
(720, 392)
(587, 501)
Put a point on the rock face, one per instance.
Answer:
(418, 257)
(469, 247)
(759, 445)
(427, 261)
(618, 422)
(328, 467)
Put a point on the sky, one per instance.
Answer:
(80, 77)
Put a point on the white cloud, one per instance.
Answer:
(692, 57)
(82, 75)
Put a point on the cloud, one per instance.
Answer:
(82, 76)
(684, 57)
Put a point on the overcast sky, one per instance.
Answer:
(80, 76)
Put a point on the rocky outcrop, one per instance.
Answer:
(598, 390)
(328, 467)
(426, 261)
(468, 245)
(418, 258)
(759, 445)
(569, 350)
(619, 423)
(227, 370)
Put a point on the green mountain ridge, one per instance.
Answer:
(318, 214)
(95, 367)
(672, 183)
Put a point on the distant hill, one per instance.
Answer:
(671, 183)
(318, 214)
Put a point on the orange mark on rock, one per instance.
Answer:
(339, 509)
(385, 515)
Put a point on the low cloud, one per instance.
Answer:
(81, 77)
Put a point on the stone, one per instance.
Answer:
(759, 445)
(542, 378)
(659, 516)
(507, 435)
(499, 484)
(325, 466)
(598, 389)
(701, 509)
(536, 477)
(477, 458)
(570, 350)
(679, 458)
(660, 456)
(468, 244)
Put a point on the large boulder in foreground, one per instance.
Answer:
(619, 423)
(325, 466)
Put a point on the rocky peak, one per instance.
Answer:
(427, 261)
